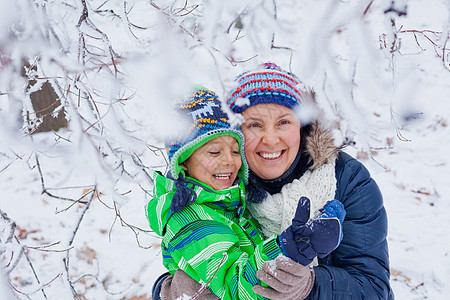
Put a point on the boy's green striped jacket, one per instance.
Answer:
(214, 240)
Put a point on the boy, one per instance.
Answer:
(211, 235)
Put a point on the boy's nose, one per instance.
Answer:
(227, 159)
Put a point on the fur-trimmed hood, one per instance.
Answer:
(320, 145)
(319, 142)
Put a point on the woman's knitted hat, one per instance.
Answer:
(207, 120)
(268, 84)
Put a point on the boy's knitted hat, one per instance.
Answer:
(207, 120)
(268, 84)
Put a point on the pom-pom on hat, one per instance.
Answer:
(268, 84)
(206, 121)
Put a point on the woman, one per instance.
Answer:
(280, 151)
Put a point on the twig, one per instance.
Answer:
(399, 12)
(31, 266)
(46, 284)
(66, 266)
(16, 262)
(137, 160)
(272, 46)
(212, 277)
(40, 173)
(6, 167)
(367, 8)
(15, 289)
(423, 33)
(133, 228)
(193, 7)
(60, 137)
(93, 191)
(45, 190)
(66, 259)
(81, 39)
(397, 127)
(10, 259)
(102, 282)
(40, 248)
(44, 109)
(128, 20)
(66, 199)
(12, 228)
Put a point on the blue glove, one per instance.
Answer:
(306, 239)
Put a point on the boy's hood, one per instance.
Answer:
(158, 209)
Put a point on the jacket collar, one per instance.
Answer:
(229, 199)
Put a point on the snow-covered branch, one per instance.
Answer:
(87, 89)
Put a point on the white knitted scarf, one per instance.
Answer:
(276, 212)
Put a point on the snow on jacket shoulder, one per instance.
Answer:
(213, 240)
(359, 267)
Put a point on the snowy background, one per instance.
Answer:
(72, 221)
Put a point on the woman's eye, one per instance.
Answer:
(236, 152)
(253, 125)
(214, 152)
(284, 122)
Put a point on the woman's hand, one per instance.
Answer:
(180, 284)
(287, 280)
(319, 236)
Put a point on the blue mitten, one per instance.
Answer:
(325, 229)
(305, 239)
(333, 209)
(292, 242)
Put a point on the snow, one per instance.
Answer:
(384, 91)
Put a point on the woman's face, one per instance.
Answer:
(272, 139)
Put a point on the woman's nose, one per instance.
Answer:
(270, 137)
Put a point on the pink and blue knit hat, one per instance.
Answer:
(207, 120)
(268, 84)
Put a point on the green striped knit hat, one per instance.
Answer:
(207, 120)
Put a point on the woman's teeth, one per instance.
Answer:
(272, 155)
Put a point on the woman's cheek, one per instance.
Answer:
(251, 137)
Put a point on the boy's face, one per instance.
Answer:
(216, 163)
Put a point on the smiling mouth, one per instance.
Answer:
(271, 155)
(223, 176)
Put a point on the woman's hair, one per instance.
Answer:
(305, 131)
